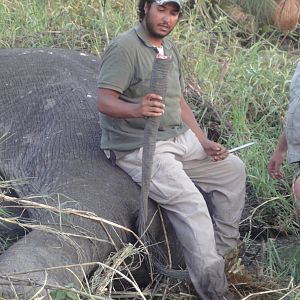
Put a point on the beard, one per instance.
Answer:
(151, 29)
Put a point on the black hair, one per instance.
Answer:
(141, 10)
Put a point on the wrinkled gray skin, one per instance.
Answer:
(52, 134)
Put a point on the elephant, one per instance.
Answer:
(50, 153)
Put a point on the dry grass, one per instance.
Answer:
(114, 278)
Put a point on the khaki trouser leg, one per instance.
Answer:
(171, 186)
(296, 189)
(225, 180)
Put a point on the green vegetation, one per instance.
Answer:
(64, 295)
(236, 82)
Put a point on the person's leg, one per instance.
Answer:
(296, 188)
(225, 180)
(188, 213)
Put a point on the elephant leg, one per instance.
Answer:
(10, 231)
(41, 250)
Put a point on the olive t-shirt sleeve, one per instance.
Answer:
(295, 84)
(116, 70)
(181, 75)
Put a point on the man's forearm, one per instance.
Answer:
(282, 144)
(110, 104)
(189, 119)
(115, 105)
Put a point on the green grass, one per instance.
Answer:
(283, 263)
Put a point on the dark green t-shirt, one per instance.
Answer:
(126, 68)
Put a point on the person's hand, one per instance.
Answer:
(274, 165)
(215, 150)
(152, 106)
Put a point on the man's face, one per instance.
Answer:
(161, 19)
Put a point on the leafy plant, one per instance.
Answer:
(64, 294)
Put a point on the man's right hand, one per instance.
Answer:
(277, 158)
(151, 106)
(110, 103)
(275, 163)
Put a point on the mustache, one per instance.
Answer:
(164, 25)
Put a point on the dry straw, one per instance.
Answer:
(247, 21)
(286, 14)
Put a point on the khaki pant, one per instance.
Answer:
(296, 190)
(177, 163)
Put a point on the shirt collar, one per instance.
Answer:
(140, 31)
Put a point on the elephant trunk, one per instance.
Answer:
(158, 85)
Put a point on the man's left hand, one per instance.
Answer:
(215, 150)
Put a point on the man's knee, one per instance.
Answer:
(237, 166)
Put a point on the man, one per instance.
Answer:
(183, 153)
(289, 141)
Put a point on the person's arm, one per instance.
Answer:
(277, 158)
(215, 150)
(110, 103)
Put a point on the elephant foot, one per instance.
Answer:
(38, 260)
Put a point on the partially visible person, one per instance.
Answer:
(289, 141)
